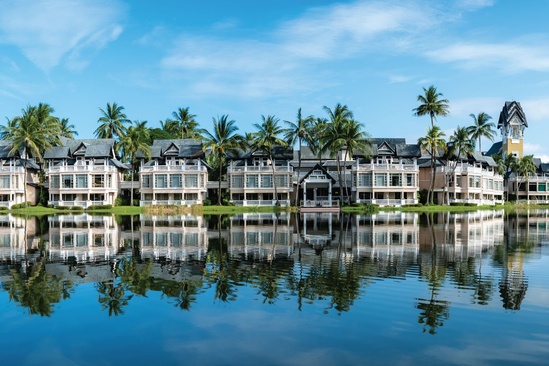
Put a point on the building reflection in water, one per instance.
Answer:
(89, 248)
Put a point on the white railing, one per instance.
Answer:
(260, 202)
(173, 168)
(389, 202)
(320, 203)
(12, 169)
(169, 202)
(81, 168)
(386, 167)
(477, 201)
(277, 169)
(84, 204)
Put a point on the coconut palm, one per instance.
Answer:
(432, 142)
(299, 131)
(136, 139)
(459, 145)
(183, 120)
(318, 131)
(481, 128)
(67, 130)
(112, 122)
(431, 104)
(32, 133)
(333, 139)
(221, 141)
(266, 138)
(525, 167)
(354, 140)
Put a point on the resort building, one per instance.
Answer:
(253, 178)
(473, 179)
(176, 174)
(16, 171)
(83, 173)
(534, 188)
(389, 175)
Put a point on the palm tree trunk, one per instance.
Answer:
(219, 180)
(274, 178)
(433, 176)
(298, 170)
(338, 165)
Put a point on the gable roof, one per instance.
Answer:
(495, 149)
(89, 148)
(182, 148)
(318, 167)
(510, 111)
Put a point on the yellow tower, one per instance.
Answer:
(512, 122)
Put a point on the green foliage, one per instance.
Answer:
(77, 208)
(99, 207)
(121, 201)
(207, 202)
(21, 205)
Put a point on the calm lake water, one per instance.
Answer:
(387, 289)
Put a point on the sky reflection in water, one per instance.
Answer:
(392, 288)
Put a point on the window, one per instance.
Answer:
(176, 181)
(97, 197)
(68, 197)
(237, 181)
(109, 180)
(98, 181)
(191, 196)
(5, 181)
(251, 181)
(67, 181)
(395, 180)
(381, 180)
(364, 180)
(81, 181)
(282, 181)
(161, 181)
(267, 181)
(146, 181)
(410, 180)
(191, 180)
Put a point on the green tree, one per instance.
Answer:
(459, 146)
(112, 297)
(431, 105)
(355, 139)
(525, 167)
(266, 139)
(333, 139)
(481, 128)
(136, 139)
(32, 133)
(432, 142)
(299, 131)
(112, 122)
(67, 129)
(185, 123)
(221, 141)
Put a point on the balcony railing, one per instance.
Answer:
(386, 167)
(389, 202)
(173, 168)
(12, 169)
(478, 202)
(169, 202)
(84, 204)
(319, 203)
(81, 168)
(260, 202)
(257, 169)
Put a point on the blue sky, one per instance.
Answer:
(251, 58)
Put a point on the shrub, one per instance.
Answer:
(99, 207)
(77, 208)
(21, 205)
(3, 208)
(207, 202)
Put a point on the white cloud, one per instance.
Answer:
(536, 109)
(48, 31)
(462, 108)
(509, 57)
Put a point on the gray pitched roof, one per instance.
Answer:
(495, 149)
(5, 148)
(94, 148)
(510, 110)
(186, 148)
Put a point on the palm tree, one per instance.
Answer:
(481, 128)
(221, 141)
(112, 122)
(185, 123)
(33, 132)
(266, 139)
(431, 105)
(67, 130)
(355, 140)
(525, 167)
(432, 143)
(299, 131)
(318, 130)
(460, 145)
(136, 139)
(333, 136)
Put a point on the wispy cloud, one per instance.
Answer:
(50, 31)
(509, 57)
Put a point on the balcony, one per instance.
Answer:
(173, 168)
(386, 167)
(84, 204)
(82, 169)
(260, 202)
(259, 169)
(12, 169)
